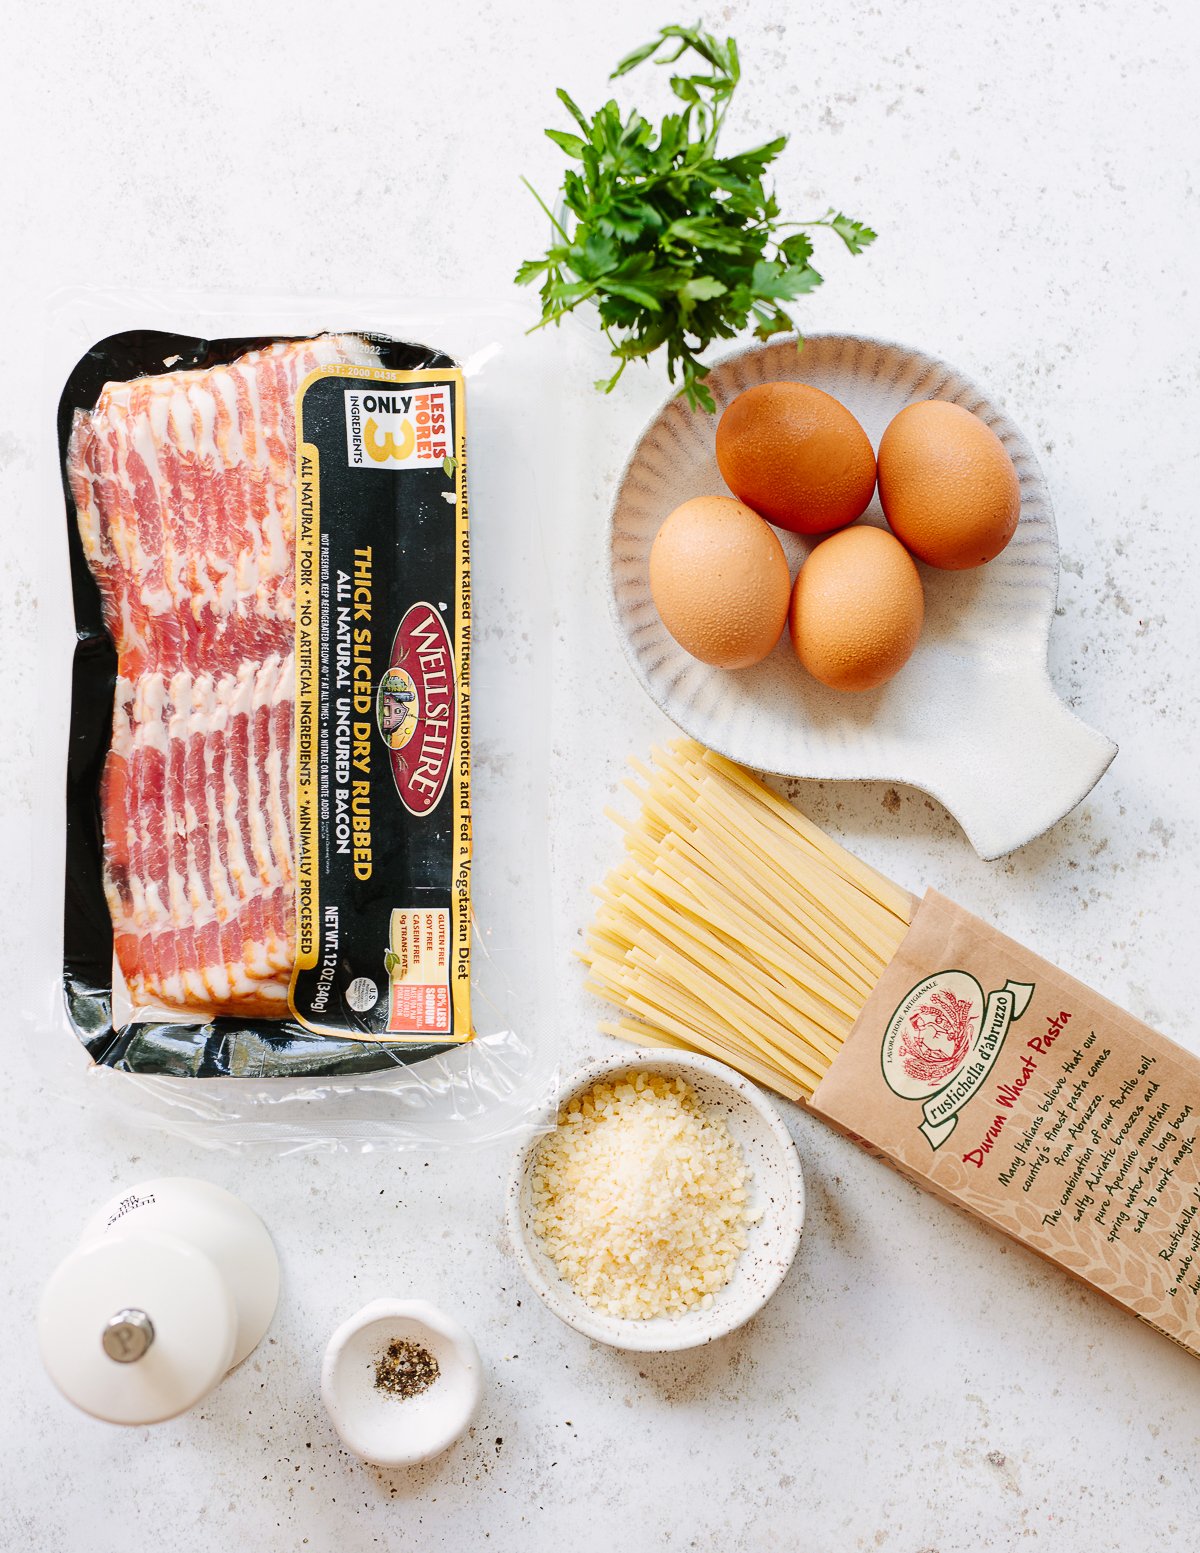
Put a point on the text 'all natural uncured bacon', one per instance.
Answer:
(184, 485)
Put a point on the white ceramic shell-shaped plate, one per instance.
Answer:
(972, 718)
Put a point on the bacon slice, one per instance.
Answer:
(184, 487)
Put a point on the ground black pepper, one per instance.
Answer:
(406, 1369)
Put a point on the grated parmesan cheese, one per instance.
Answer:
(640, 1198)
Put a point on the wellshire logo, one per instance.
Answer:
(942, 1041)
(414, 708)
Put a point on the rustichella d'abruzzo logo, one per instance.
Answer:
(942, 1041)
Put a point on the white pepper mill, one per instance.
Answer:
(173, 1283)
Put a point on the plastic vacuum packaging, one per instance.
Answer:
(306, 892)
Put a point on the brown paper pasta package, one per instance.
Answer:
(989, 1076)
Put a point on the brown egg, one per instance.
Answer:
(720, 580)
(857, 609)
(797, 456)
(948, 488)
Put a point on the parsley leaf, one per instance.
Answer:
(675, 245)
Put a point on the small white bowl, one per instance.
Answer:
(777, 1186)
(394, 1431)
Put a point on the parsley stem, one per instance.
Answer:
(554, 222)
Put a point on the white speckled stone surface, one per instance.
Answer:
(916, 1384)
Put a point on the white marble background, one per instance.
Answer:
(916, 1384)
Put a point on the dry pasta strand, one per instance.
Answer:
(639, 1034)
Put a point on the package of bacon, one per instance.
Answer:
(269, 830)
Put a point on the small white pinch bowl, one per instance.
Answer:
(777, 1186)
(391, 1431)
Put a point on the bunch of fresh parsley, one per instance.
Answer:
(675, 245)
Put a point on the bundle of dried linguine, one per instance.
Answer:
(735, 926)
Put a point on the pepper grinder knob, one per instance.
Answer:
(127, 1335)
